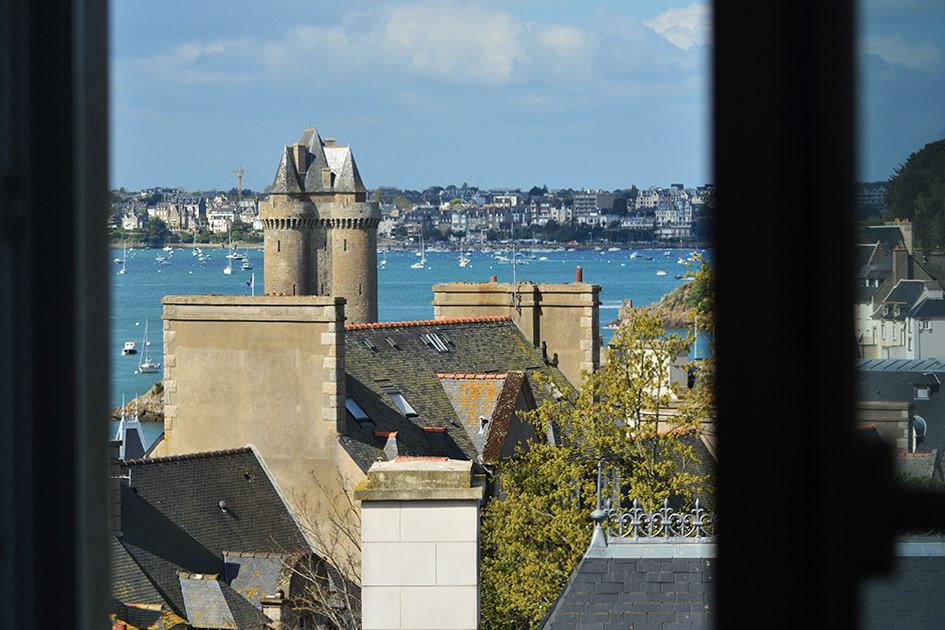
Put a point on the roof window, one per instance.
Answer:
(352, 406)
(435, 342)
(402, 404)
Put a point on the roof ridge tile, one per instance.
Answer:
(429, 322)
(187, 456)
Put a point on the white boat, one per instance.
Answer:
(463, 261)
(147, 366)
(129, 348)
(247, 265)
(229, 267)
(124, 258)
(420, 264)
(661, 272)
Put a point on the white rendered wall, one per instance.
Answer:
(420, 565)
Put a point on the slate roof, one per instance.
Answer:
(179, 514)
(408, 358)
(256, 575)
(895, 380)
(338, 159)
(928, 308)
(873, 263)
(211, 603)
(905, 295)
(131, 436)
(150, 618)
(889, 235)
(920, 464)
(631, 583)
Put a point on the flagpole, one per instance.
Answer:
(252, 283)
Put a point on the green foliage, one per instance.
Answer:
(916, 192)
(158, 233)
(534, 537)
(701, 296)
(402, 202)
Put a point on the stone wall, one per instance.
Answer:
(264, 371)
(565, 317)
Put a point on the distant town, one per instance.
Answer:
(464, 214)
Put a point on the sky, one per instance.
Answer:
(514, 93)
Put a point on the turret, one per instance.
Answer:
(320, 233)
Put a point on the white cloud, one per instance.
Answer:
(895, 51)
(685, 28)
(428, 44)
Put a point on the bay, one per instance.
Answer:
(404, 293)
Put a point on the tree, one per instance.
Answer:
(332, 582)
(402, 202)
(628, 415)
(916, 192)
(158, 233)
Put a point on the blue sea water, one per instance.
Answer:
(404, 294)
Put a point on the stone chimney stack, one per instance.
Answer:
(300, 155)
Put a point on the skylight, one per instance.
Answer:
(357, 412)
(402, 404)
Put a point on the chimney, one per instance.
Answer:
(326, 178)
(300, 154)
(579, 276)
(424, 513)
(329, 142)
(902, 264)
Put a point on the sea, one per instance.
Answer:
(404, 293)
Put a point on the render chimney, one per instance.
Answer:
(326, 178)
(329, 142)
(579, 276)
(439, 586)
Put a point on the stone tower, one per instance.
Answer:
(320, 233)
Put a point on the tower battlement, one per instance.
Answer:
(320, 233)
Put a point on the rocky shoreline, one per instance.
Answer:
(673, 308)
(150, 406)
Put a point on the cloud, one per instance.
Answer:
(474, 45)
(895, 51)
(684, 28)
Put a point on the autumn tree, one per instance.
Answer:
(630, 415)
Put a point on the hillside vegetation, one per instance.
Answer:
(916, 192)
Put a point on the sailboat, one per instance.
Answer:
(147, 366)
(420, 264)
(229, 257)
(124, 257)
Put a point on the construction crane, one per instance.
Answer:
(239, 176)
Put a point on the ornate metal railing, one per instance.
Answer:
(665, 523)
(637, 523)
